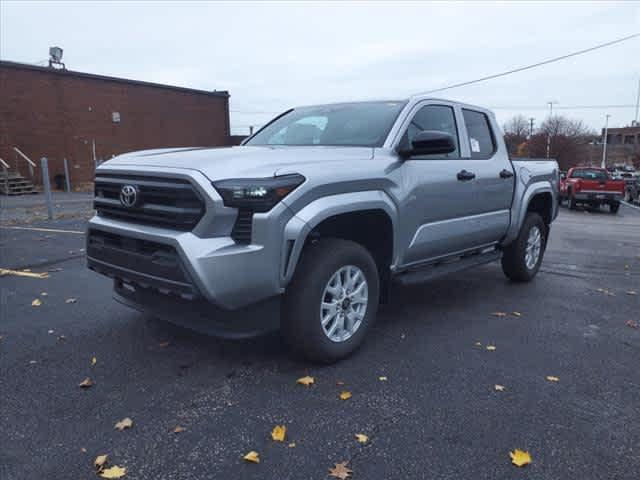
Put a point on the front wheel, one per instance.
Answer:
(331, 301)
(522, 258)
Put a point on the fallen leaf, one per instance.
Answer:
(345, 395)
(306, 381)
(83, 450)
(124, 423)
(383, 379)
(516, 314)
(44, 294)
(491, 348)
(499, 314)
(340, 471)
(631, 292)
(50, 332)
(520, 458)
(163, 344)
(113, 472)
(292, 445)
(100, 461)
(32, 362)
(626, 267)
(86, 383)
(362, 438)
(62, 337)
(252, 457)
(478, 344)
(94, 360)
(70, 300)
(36, 303)
(23, 273)
(178, 429)
(499, 388)
(278, 433)
(631, 324)
(551, 378)
(339, 382)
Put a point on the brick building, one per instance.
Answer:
(82, 117)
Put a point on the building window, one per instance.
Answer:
(629, 139)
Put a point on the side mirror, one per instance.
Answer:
(563, 176)
(430, 142)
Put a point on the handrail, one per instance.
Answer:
(4, 164)
(24, 156)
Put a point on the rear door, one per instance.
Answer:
(459, 201)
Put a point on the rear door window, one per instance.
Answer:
(481, 139)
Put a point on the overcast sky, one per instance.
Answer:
(271, 56)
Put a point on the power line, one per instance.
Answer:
(528, 67)
(558, 107)
(254, 112)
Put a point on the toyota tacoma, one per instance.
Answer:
(314, 217)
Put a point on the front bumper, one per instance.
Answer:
(203, 264)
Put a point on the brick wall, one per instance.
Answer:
(58, 115)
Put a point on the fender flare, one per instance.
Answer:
(520, 210)
(306, 219)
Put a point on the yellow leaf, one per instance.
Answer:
(491, 348)
(252, 457)
(23, 273)
(551, 378)
(178, 429)
(100, 461)
(124, 423)
(306, 381)
(499, 314)
(340, 471)
(94, 360)
(345, 395)
(86, 383)
(520, 458)
(516, 314)
(278, 433)
(36, 303)
(362, 438)
(499, 388)
(383, 379)
(113, 472)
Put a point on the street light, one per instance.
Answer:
(548, 125)
(604, 141)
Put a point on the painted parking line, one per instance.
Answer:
(50, 230)
(629, 205)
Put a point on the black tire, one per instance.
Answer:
(513, 260)
(614, 207)
(301, 326)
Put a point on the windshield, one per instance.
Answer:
(589, 174)
(364, 124)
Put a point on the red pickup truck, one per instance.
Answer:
(591, 186)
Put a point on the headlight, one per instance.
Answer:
(257, 194)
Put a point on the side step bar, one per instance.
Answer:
(435, 270)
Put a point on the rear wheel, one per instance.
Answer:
(331, 301)
(522, 258)
(614, 207)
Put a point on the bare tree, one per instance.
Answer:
(566, 138)
(516, 132)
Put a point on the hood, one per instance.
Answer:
(241, 162)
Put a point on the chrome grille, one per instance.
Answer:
(165, 202)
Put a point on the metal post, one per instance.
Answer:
(604, 142)
(93, 151)
(47, 186)
(67, 180)
(250, 129)
(638, 102)
(531, 127)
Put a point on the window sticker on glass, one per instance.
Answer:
(475, 144)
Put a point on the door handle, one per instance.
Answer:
(465, 176)
(506, 173)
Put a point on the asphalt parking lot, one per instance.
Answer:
(437, 415)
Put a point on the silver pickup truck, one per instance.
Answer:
(315, 216)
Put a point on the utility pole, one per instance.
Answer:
(604, 141)
(531, 119)
(549, 125)
(637, 103)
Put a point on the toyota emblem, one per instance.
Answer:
(128, 196)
